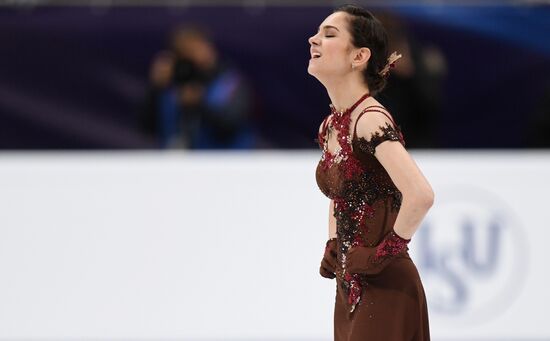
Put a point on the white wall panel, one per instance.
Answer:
(228, 245)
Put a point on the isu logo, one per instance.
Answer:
(472, 255)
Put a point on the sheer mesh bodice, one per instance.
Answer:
(366, 201)
(390, 305)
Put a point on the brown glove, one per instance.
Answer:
(372, 260)
(329, 263)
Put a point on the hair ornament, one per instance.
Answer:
(390, 64)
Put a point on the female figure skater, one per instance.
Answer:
(378, 194)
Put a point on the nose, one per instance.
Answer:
(312, 40)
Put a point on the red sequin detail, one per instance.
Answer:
(391, 246)
(341, 122)
(354, 195)
(350, 167)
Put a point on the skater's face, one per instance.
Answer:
(331, 48)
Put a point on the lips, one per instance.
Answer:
(315, 54)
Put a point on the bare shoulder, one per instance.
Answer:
(373, 123)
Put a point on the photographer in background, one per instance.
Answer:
(195, 101)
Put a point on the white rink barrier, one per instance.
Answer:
(227, 246)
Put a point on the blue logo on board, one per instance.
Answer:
(472, 255)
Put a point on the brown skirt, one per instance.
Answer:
(392, 307)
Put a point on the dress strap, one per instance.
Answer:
(321, 136)
(364, 111)
(325, 123)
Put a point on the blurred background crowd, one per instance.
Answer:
(200, 75)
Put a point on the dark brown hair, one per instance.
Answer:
(367, 31)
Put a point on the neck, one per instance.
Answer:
(345, 92)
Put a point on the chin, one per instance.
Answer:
(315, 73)
(312, 70)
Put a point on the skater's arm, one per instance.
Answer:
(329, 262)
(418, 195)
(331, 221)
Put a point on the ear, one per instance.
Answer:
(361, 57)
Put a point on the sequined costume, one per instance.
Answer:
(391, 305)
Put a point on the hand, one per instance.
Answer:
(360, 259)
(329, 262)
(372, 260)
